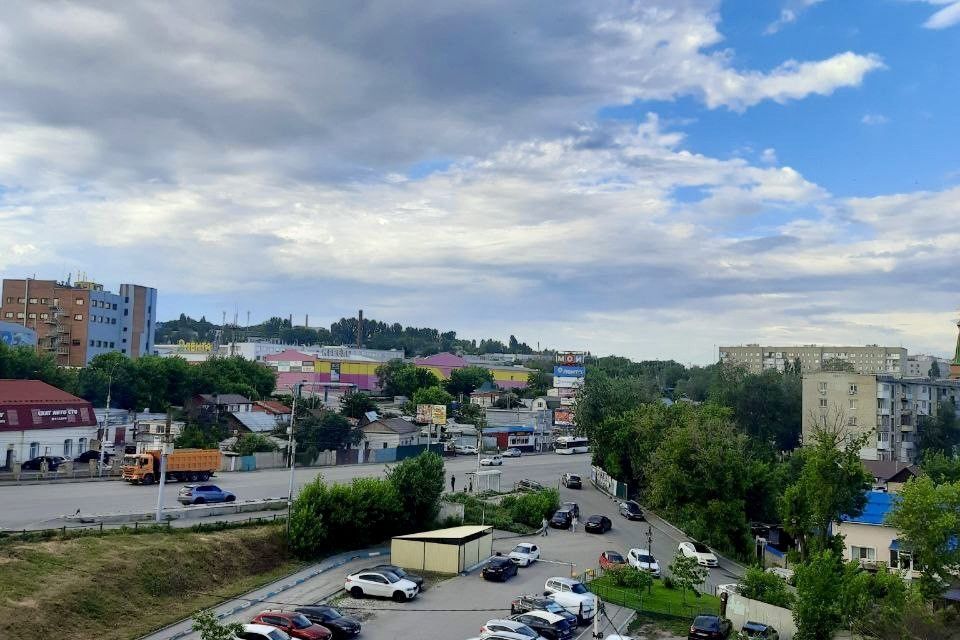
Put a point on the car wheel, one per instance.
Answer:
(204, 476)
(148, 479)
(231, 498)
(357, 593)
(399, 596)
(200, 501)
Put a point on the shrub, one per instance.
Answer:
(629, 577)
(419, 483)
(766, 587)
(531, 508)
(251, 443)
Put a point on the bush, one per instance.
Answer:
(766, 587)
(251, 443)
(419, 483)
(630, 578)
(531, 508)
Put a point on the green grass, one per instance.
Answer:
(125, 585)
(658, 602)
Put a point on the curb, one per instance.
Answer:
(343, 559)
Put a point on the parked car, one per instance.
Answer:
(501, 635)
(549, 625)
(400, 573)
(757, 631)
(294, 624)
(631, 510)
(709, 626)
(532, 602)
(597, 524)
(340, 626)
(528, 485)
(512, 452)
(261, 632)
(380, 583)
(642, 559)
(525, 554)
(573, 596)
(499, 568)
(465, 449)
(491, 461)
(34, 464)
(611, 559)
(87, 456)
(561, 519)
(572, 481)
(203, 494)
(700, 551)
(572, 506)
(498, 627)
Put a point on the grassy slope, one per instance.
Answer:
(122, 586)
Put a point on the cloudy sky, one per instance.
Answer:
(649, 178)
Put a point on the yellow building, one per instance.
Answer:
(450, 551)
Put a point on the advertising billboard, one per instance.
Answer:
(567, 383)
(563, 371)
(439, 414)
(571, 358)
(432, 413)
(563, 417)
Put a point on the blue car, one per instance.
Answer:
(203, 494)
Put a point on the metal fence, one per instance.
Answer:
(99, 528)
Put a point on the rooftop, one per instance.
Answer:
(879, 504)
(256, 421)
(13, 392)
(453, 535)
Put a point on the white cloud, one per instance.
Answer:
(946, 17)
(789, 13)
(768, 156)
(874, 119)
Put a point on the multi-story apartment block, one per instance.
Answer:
(889, 408)
(75, 322)
(869, 359)
(919, 366)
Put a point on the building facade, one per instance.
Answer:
(76, 322)
(870, 541)
(920, 365)
(889, 408)
(869, 359)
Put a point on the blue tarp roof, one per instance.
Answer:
(879, 504)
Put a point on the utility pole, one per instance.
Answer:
(163, 466)
(291, 447)
(106, 423)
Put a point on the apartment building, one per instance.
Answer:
(871, 359)
(889, 408)
(919, 366)
(76, 322)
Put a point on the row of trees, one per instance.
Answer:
(412, 341)
(149, 381)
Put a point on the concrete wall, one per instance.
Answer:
(741, 609)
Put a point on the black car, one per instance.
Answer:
(710, 627)
(499, 568)
(400, 573)
(597, 524)
(631, 510)
(572, 481)
(573, 507)
(34, 464)
(561, 519)
(554, 628)
(87, 456)
(340, 625)
(535, 602)
(528, 485)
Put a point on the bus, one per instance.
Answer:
(566, 445)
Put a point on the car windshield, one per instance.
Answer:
(700, 548)
(331, 614)
(552, 607)
(594, 519)
(632, 507)
(614, 557)
(391, 577)
(579, 588)
(521, 548)
(709, 623)
(573, 477)
(300, 621)
(398, 572)
(276, 634)
(647, 559)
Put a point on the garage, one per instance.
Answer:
(447, 551)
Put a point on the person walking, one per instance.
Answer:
(543, 525)
(453, 483)
(471, 484)
(573, 524)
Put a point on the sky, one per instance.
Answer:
(651, 179)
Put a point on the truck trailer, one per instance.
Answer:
(193, 465)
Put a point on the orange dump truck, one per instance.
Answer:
(183, 465)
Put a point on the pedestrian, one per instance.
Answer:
(543, 525)
(573, 524)
(453, 482)
(471, 484)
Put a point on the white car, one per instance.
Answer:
(465, 449)
(507, 629)
(701, 552)
(501, 635)
(642, 559)
(573, 596)
(491, 461)
(384, 584)
(525, 554)
(617, 637)
(262, 632)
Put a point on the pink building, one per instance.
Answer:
(293, 367)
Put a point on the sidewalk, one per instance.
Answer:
(311, 585)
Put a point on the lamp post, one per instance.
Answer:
(291, 447)
(106, 419)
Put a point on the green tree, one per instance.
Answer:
(250, 443)
(686, 574)
(318, 431)
(469, 413)
(927, 516)
(538, 381)
(24, 363)
(210, 628)
(874, 602)
(399, 378)
(757, 584)
(432, 395)
(940, 467)
(419, 483)
(817, 609)
(940, 433)
(766, 406)
(195, 436)
(354, 405)
(934, 372)
(464, 381)
(837, 364)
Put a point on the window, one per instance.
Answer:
(126, 312)
(34, 449)
(852, 421)
(113, 321)
(822, 386)
(78, 302)
(853, 389)
(823, 403)
(32, 316)
(75, 342)
(56, 302)
(112, 346)
(99, 343)
(8, 314)
(44, 316)
(384, 445)
(863, 553)
(68, 448)
(853, 404)
(9, 299)
(114, 306)
(81, 445)
(91, 343)
(78, 316)
(43, 301)
(21, 301)
(33, 301)
(20, 315)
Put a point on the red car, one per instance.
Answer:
(611, 559)
(295, 624)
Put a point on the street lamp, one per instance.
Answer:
(291, 446)
(106, 420)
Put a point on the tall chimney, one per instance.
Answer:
(290, 319)
(306, 321)
(360, 329)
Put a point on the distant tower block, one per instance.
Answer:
(955, 365)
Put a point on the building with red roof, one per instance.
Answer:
(39, 419)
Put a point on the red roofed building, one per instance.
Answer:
(39, 419)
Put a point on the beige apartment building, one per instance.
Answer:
(872, 359)
(889, 408)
